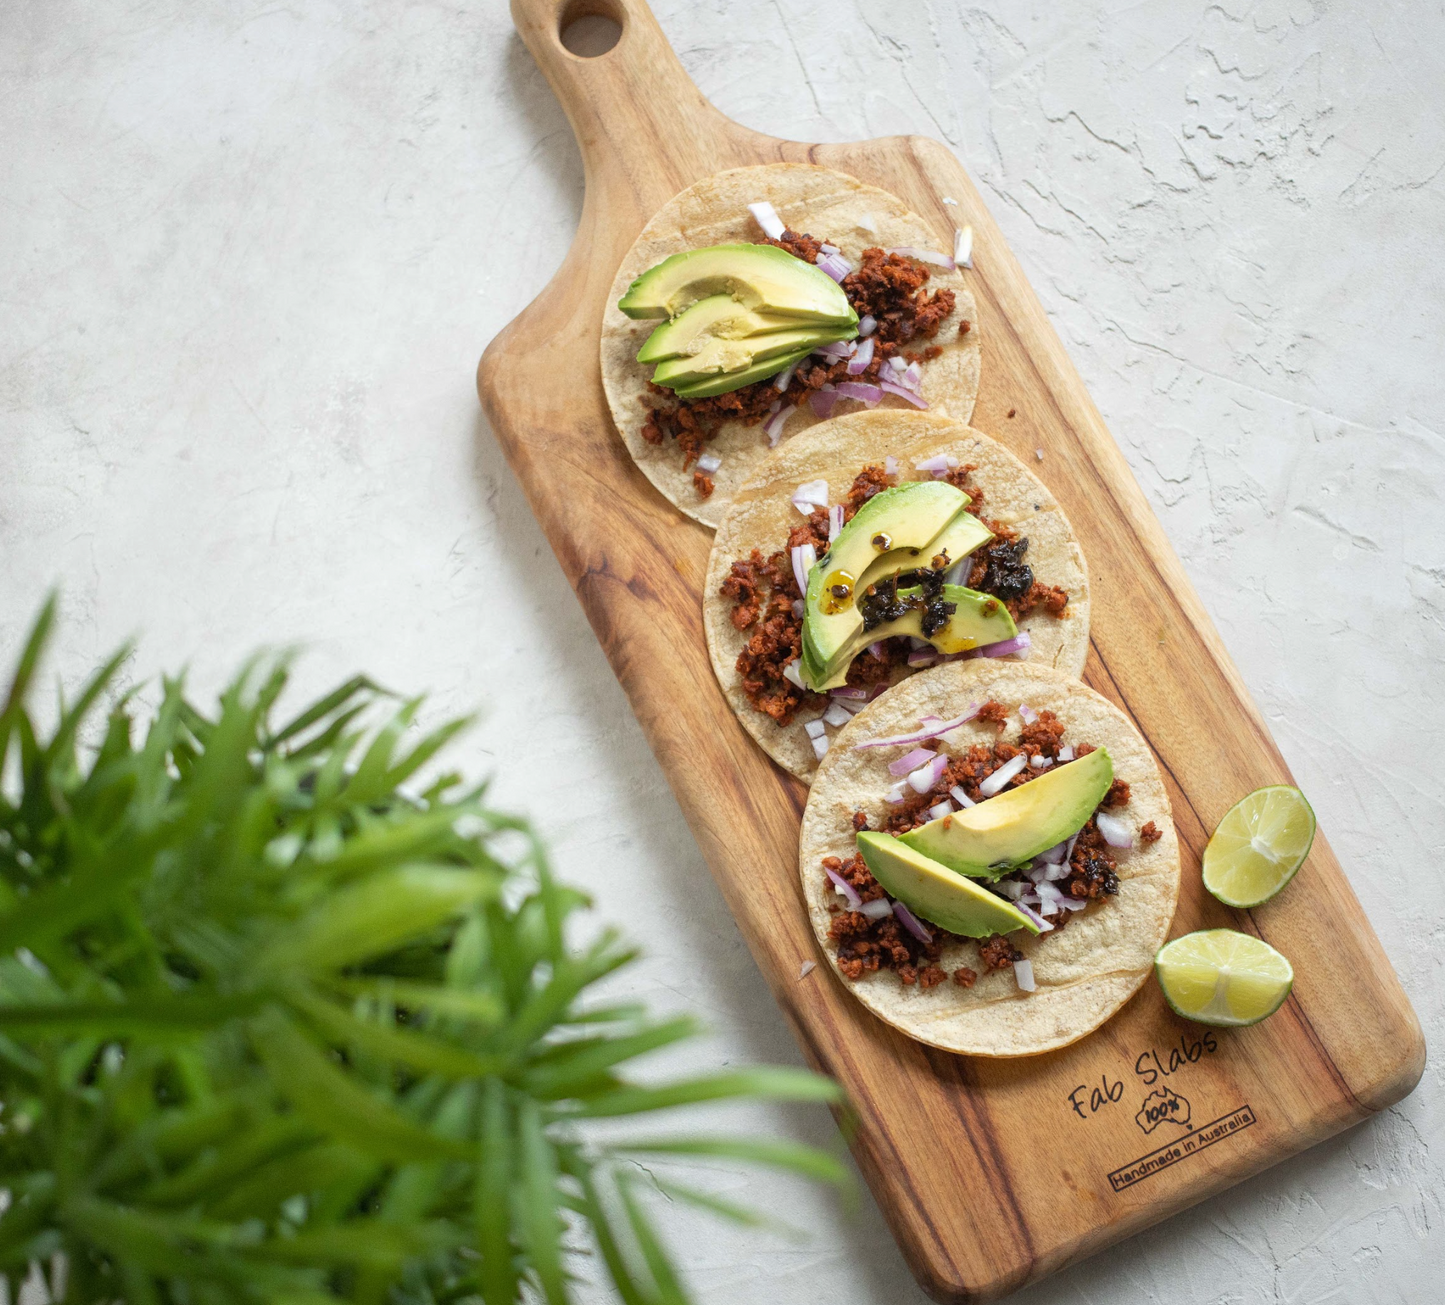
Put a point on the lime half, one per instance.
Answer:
(1218, 976)
(1262, 840)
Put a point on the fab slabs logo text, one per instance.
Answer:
(1162, 1107)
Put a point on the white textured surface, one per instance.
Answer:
(249, 254)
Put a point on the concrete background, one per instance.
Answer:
(250, 252)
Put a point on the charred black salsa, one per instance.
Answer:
(866, 944)
(767, 604)
(887, 287)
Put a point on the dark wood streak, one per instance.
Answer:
(949, 1146)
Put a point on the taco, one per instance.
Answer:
(1012, 544)
(906, 327)
(927, 880)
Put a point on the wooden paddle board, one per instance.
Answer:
(991, 1173)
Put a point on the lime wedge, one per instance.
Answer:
(1218, 976)
(1262, 840)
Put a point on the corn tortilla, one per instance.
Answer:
(762, 515)
(829, 205)
(1084, 972)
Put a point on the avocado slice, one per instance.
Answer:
(977, 619)
(718, 317)
(899, 524)
(958, 539)
(761, 277)
(1009, 830)
(728, 357)
(935, 893)
(736, 380)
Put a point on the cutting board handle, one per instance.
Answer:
(638, 118)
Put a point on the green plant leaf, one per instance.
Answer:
(497, 1274)
(377, 915)
(775, 1084)
(334, 1103)
(777, 1154)
(537, 1197)
(390, 1042)
(274, 1028)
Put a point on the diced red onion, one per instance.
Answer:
(916, 643)
(836, 350)
(709, 462)
(773, 427)
(799, 607)
(912, 923)
(867, 326)
(847, 691)
(850, 894)
(814, 728)
(858, 364)
(912, 377)
(793, 675)
(1013, 889)
(806, 968)
(903, 392)
(995, 782)
(1027, 714)
(1066, 753)
(767, 217)
(890, 465)
(921, 657)
(876, 910)
(940, 809)
(1042, 925)
(877, 649)
(835, 522)
(962, 798)
(938, 463)
(860, 390)
(1073, 903)
(821, 745)
(932, 731)
(804, 556)
(851, 707)
(963, 246)
(1040, 762)
(835, 265)
(1049, 898)
(826, 248)
(808, 495)
(774, 406)
(823, 401)
(1116, 832)
(1069, 847)
(1037, 872)
(1024, 975)
(837, 714)
(1020, 643)
(895, 794)
(784, 378)
(921, 255)
(910, 761)
(896, 364)
(926, 776)
(1055, 854)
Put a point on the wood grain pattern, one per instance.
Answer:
(948, 1144)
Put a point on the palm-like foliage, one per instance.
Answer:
(272, 1029)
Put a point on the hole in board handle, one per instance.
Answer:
(589, 28)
